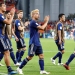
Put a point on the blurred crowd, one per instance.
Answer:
(69, 25)
(69, 28)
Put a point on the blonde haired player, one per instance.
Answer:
(35, 47)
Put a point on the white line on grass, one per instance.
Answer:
(3, 74)
(50, 51)
(56, 51)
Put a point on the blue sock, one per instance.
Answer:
(17, 55)
(70, 59)
(13, 57)
(60, 57)
(24, 62)
(57, 55)
(41, 63)
(9, 69)
(21, 55)
(1, 56)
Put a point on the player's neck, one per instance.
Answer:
(34, 19)
(1, 12)
(61, 21)
(20, 19)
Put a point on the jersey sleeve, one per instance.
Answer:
(35, 24)
(17, 23)
(2, 18)
(59, 26)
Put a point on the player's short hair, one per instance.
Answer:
(1, 3)
(19, 11)
(7, 12)
(60, 15)
(34, 11)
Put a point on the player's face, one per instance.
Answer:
(3, 7)
(36, 15)
(63, 18)
(8, 15)
(20, 15)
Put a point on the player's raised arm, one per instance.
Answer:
(35, 16)
(19, 22)
(46, 19)
(21, 28)
(9, 21)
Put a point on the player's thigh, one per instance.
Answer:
(61, 47)
(20, 43)
(32, 50)
(3, 45)
(39, 52)
(9, 43)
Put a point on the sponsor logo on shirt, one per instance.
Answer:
(61, 27)
(18, 23)
(37, 24)
(3, 17)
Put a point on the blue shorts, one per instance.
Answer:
(60, 46)
(3, 45)
(20, 43)
(33, 49)
(9, 44)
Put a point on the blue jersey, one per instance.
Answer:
(59, 27)
(17, 31)
(34, 35)
(1, 24)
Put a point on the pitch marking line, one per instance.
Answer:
(3, 74)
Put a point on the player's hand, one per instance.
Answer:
(60, 41)
(12, 11)
(16, 39)
(46, 19)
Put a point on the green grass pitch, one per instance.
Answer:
(50, 49)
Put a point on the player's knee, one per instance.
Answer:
(24, 49)
(41, 56)
(7, 53)
(74, 52)
(63, 51)
(30, 57)
(19, 50)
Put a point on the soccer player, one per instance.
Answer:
(19, 32)
(3, 43)
(59, 39)
(35, 47)
(8, 31)
(66, 65)
(9, 36)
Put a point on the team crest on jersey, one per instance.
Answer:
(18, 23)
(60, 27)
(37, 24)
(3, 17)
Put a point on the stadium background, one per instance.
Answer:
(46, 7)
